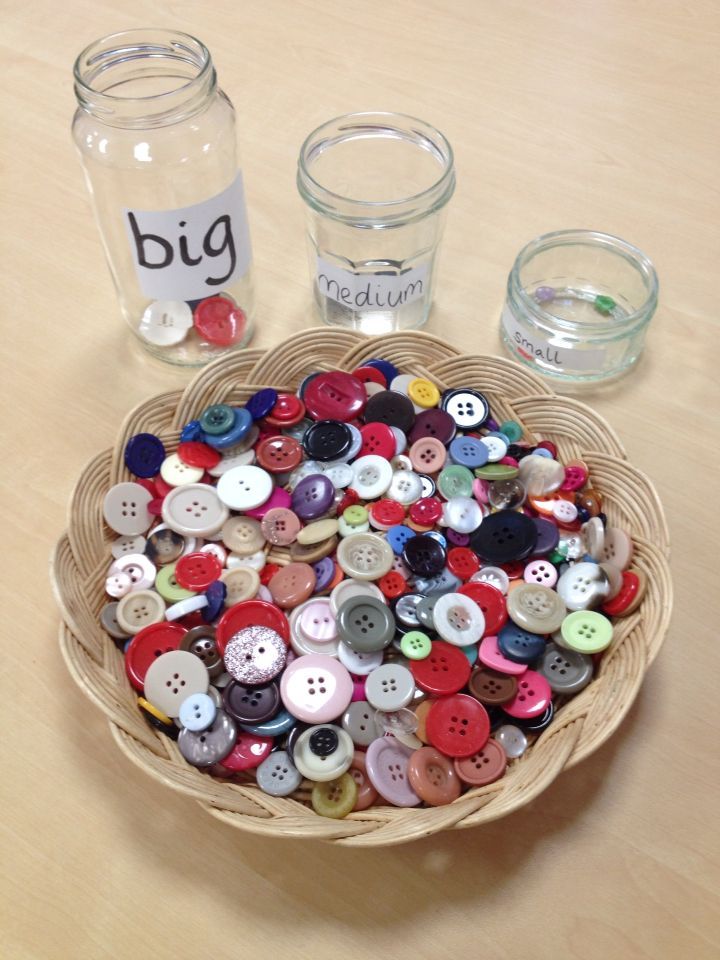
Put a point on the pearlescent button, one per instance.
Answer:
(536, 608)
(512, 740)
(458, 619)
(365, 556)
(316, 688)
(205, 747)
(583, 585)
(372, 476)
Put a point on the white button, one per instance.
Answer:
(462, 514)
(540, 475)
(197, 712)
(194, 510)
(322, 769)
(495, 576)
(125, 545)
(593, 533)
(184, 607)
(215, 550)
(458, 619)
(352, 588)
(358, 662)
(405, 487)
(618, 548)
(172, 678)
(244, 488)
(564, 511)
(340, 474)
(496, 448)
(365, 556)
(512, 740)
(118, 585)
(166, 322)
(141, 571)
(582, 586)
(390, 687)
(401, 462)
(256, 561)
(401, 441)
(176, 473)
(466, 409)
(372, 475)
(572, 547)
(400, 384)
(125, 508)
(240, 455)
(314, 617)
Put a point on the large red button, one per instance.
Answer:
(288, 411)
(492, 603)
(250, 613)
(219, 321)
(279, 454)
(377, 438)
(147, 645)
(248, 753)
(335, 396)
(459, 726)
(445, 670)
(196, 571)
(387, 513)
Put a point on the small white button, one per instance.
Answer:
(141, 571)
(512, 740)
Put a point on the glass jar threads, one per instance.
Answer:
(375, 186)
(578, 305)
(156, 138)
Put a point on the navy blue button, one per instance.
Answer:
(392, 408)
(504, 536)
(327, 440)
(424, 556)
(239, 429)
(468, 452)
(261, 403)
(215, 596)
(387, 369)
(144, 454)
(548, 535)
(191, 431)
(533, 724)
(280, 723)
(520, 645)
(398, 536)
(324, 572)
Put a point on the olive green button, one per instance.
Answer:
(497, 471)
(586, 631)
(168, 587)
(356, 515)
(455, 481)
(334, 798)
(415, 645)
(365, 624)
(217, 419)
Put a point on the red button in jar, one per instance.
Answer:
(219, 321)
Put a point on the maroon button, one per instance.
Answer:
(196, 571)
(462, 562)
(196, 454)
(335, 396)
(288, 411)
(377, 438)
(250, 613)
(219, 321)
(492, 603)
(279, 454)
(444, 671)
(459, 726)
(433, 423)
(147, 645)
(248, 753)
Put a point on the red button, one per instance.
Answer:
(393, 585)
(444, 671)
(268, 572)
(196, 571)
(378, 438)
(279, 454)
(549, 446)
(149, 485)
(196, 454)
(162, 488)
(426, 511)
(459, 726)
(219, 321)
(387, 513)
(248, 753)
(147, 645)
(627, 598)
(250, 613)
(371, 375)
(492, 603)
(335, 396)
(462, 562)
(349, 500)
(514, 570)
(288, 411)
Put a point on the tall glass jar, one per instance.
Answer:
(156, 138)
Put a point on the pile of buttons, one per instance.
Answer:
(442, 586)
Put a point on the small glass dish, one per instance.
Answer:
(578, 306)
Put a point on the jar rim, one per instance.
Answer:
(318, 195)
(632, 254)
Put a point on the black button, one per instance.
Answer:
(327, 440)
(324, 741)
(251, 704)
(424, 555)
(533, 724)
(504, 536)
(392, 408)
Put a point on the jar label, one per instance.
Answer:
(536, 346)
(191, 252)
(371, 291)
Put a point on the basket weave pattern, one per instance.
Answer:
(581, 725)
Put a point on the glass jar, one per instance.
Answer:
(156, 138)
(376, 186)
(578, 305)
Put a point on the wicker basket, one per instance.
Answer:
(82, 555)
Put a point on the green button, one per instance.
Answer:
(497, 471)
(217, 419)
(556, 557)
(604, 305)
(586, 631)
(334, 798)
(415, 645)
(355, 516)
(455, 481)
(512, 430)
(168, 587)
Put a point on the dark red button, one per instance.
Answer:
(387, 513)
(426, 511)
(371, 375)
(250, 613)
(279, 454)
(514, 570)
(444, 671)
(549, 446)
(248, 753)
(288, 411)
(335, 396)
(147, 645)
(196, 454)
(196, 571)
(492, 603)
(462, 562)
(458, 725)
(433, 423)
(219, 321)
(377, 438)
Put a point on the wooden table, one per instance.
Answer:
(562, 114)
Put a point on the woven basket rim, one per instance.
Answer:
(581, 725)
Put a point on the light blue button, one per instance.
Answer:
(197, 712)
(468, 452)
(277, 775)
(398, 536)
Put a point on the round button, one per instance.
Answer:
(491, 656)
(241, 583)
(316, 688)
(261, 403)
(277, 775)
(392, 408)
(462, 562)
(428, 455)
(629, 595)
(386, 763)
(205, 747)
(176, 473)
(536, 608)
(249, 752)
(372, 476)
(468, 408)
(255, 655)
(147, 645)
(378, 439)
(365, 624)
(512, 740)
(172, 677)
(251, 704)
(567, 671)
(219, 321)
(313, 497)
(458, 725)
(327, 440)
(540, 572)
(458, 619)
(540, 476)
(504, 536)
(165, 323)
(532, 698)
(144, 454)
(433, 777)
(433, 423)
(200, 641)
(415, 645)
(455, 481)
(586, 631)
(280, 526)
(506, 494)
(244, 488)
(490, 600)
(390, 687)
(125, 508)
(490, 687)
(279, 454)
(197, 712)
(583, 585)
(617, 548)
(335, 798)
(424, 555)
(385, 514)
(365, 556)
(196, 571)
(196, 454)
(335, 396)
(444, 671)
(468, 452)
(485, 766)
(138, 610)
(520, 645)
(292, 584)
(243, 535)
(462, 514)
(323, 753)
(194, 510)
(251, 613)
(359, 721)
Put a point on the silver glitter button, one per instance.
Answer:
(255, 655)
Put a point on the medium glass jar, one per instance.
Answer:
(376, 186)
(578, 305)
(156, 138)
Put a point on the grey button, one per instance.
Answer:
(444, 582)
(108, 619)
(365, 624)
(406, 610)
(567, 671)
(390, 687)
(512, 740)
(425, 611)
(536, 608)
(359, 721)
(211, 745)
(200, 641)
(277, 775)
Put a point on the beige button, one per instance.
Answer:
(172, 678)
(535, 608)
(540, 476)
(243, 535)
(618, 548)
(125, 508)
(242, 583)
(365, 556)
(314, 551)
(194, 510)
(140, 609)
(177, 473)
(315, 532)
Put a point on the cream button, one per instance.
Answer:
(540, 475)
(177, 473)
(243, 535)
(365, 556)
(194, 510)
(323, 753)
(352, 588)
(172, 678)
(242, 583)
(140, 609)
(458, 619)
(405, 487)
(536, 608)
(125, 509)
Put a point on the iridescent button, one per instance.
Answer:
(386, 763)
(316, 688)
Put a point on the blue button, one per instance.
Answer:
(471, 652)
(261, 403)
(436, 535)
(398, 536)
(520, 645)
(542, 452)
(280, 723)
(387, 369)
(191, 431)
(215, 596)
(144, 454)
(468, 452)
(239, 429)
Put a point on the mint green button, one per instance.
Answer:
(355, 516)
(497, 471)
(512, 430)
(168, 587)
(586, 631)
(455, 481)
(415, 645)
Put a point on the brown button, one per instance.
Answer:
(243, 535)
(201, 642)
(421, 712)
(292, 584)
(280, 526)
(367, 794)
(485, 766)
(279, 454)
(491, 687)
(313, 552)
(432, 776)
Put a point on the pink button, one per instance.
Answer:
(386, 763)
(480, 490)
(532, 698)
(317, 622)
(249, 752)
(542, 572)
(489, 654)
(358, 688)
(316, 688)
(278, 498)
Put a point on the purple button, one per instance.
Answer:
(433, 423)
(457, 539)
(313, 497)
(278, 498)
(324, 572)
(386, 763)
(548, 536)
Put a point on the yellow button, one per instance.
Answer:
(423, 392)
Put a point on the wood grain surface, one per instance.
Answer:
(565, 114)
